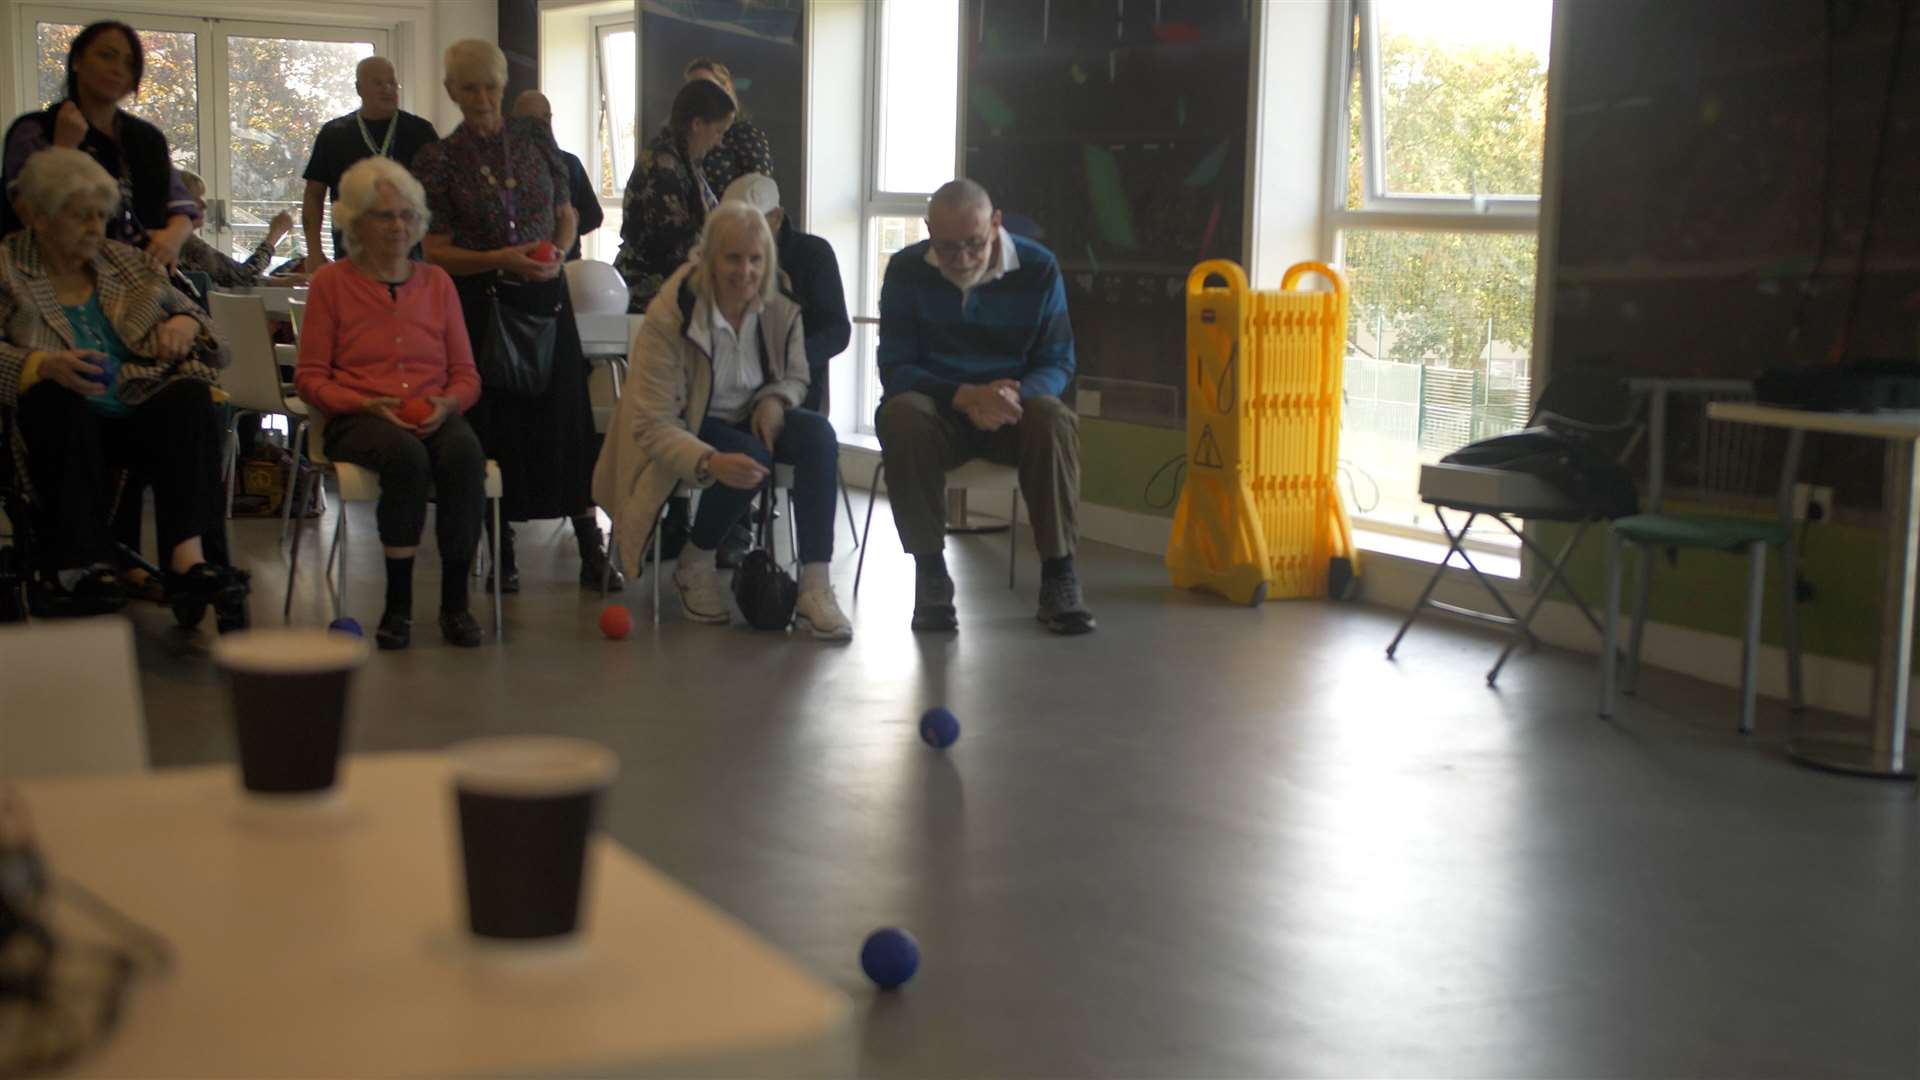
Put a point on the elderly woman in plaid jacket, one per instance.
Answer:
(106, 367)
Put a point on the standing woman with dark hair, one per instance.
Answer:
(502, 215)
(668, 195)
(104, 66)
(744, 148)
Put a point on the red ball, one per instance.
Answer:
(546, 252)
(415, 410)
(616, 622)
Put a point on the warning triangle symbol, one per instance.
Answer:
(1207, 456)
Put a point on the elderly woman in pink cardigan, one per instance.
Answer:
(384, 355)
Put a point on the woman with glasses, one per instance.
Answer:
(384, 356)
(503, 217)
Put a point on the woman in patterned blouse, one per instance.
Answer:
(498, 193)
(668, 195)
(744, 148)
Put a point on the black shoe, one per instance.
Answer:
(933, 604)
(734, 547)
(508, 585)
(230, 604)
(1062, 609)
(594, 569)
(461, 629)
(395, 632)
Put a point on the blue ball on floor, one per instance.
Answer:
(890, 957)
(344, 625)
(939, 728)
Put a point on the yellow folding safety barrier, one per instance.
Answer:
(1259, 516)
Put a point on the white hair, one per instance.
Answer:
(54, 176)
(471, 58)
(724, 224)
(360, 190)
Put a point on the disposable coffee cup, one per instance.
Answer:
(527, 805)
(290, 691)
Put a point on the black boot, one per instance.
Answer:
(593, 555)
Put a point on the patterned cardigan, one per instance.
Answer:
(135, 298)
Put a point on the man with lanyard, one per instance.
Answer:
(378, 127)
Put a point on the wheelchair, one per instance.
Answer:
(24, 595)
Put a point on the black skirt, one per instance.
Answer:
(544, 443)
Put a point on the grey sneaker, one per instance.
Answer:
(1062, 610)
(933, 603)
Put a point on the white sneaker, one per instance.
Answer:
(818, 613)
(701, 596)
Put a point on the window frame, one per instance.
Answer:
(877, 202)
(599, 27)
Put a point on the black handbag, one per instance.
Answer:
(519, 330)
(764, 590)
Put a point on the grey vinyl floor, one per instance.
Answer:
(1205, 841)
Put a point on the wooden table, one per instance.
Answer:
(1886, 754)
(330, 941)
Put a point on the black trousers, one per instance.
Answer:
(448, 463)
(171, 441)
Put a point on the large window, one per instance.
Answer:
(1434, 219)
(240, 104)
(916, 149)
(615, 129)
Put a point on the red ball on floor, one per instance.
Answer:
(616, 622)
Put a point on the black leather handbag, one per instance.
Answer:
(520, 327)
(764, 590)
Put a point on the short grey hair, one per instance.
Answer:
(195, 185)
(360, 189)
(961, 194)
(53, 177)
(473, 57)
(724, 224)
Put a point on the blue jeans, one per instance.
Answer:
(808, 444)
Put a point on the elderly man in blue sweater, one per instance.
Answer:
(975, 350)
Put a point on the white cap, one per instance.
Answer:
(756, 190)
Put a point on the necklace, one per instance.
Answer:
(393, 125)
(505, 180)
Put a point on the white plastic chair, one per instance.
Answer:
(975, 475)
(358, 484)
(253, 384)
(70, 701)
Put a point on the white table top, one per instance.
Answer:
(331, 941)
(1890, 424)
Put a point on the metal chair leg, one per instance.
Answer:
(1611, 623)
(293, 559)
(1642, 597)
(659, 539)
(1750, 650)
(341, 533)
(606, 572)
(295, 430)
(232, 455)
(1013, 538)
(866, 532)
(1453, 546)
(499, 587)
(847, 501)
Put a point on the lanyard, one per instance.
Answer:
(393, 125)
(506, 182)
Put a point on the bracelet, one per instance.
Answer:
(701, 474)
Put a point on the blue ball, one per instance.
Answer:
(939, 727)
(344, 625)
(890, 957)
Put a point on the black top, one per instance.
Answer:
(812, 276)
(136, 155)
(586, 202)
(340, 144)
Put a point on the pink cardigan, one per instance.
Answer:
(358, 342)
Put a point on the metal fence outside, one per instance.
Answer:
(1436, 409)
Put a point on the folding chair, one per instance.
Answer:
(975, 475)
(1594, 402)
(782, 481)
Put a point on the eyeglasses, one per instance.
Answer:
(388, 217)
(947, 248)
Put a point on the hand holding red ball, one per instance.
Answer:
(415, 411)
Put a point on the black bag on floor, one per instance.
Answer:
(765, 592)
